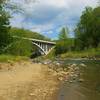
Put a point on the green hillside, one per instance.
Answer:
(20, 47)
(27, 33)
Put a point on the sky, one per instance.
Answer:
(48, 16)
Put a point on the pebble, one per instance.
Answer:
(73, 65)
(32, 94)
(70, 81)
(81, 80)
(60, 78)
(83, 65)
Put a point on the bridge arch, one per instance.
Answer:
(44, 46)
(38, 46)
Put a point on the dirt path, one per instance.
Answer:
(26, 81)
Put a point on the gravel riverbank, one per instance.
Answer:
(35, 79)
(27, 81)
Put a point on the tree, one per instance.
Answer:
(87, 33)
(64, 43)
(22, 47)
(96, 26)
(5, 38)
(63, 33)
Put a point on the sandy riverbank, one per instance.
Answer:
(27, 81)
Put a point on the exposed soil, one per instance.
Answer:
(27, 81)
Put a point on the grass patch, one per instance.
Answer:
(51, 55)
(7, 58)
(90, 53)
(81, 54)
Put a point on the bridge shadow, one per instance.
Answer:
(35, 54)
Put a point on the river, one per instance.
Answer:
(89, 88)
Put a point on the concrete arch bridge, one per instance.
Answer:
(44, 46)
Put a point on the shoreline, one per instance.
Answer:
(43, 78)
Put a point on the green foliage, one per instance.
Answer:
(64, 46)
(10, 58)
(5, 37)
(21, 47)
(64, 43)
(27, 33)
(51, 55)
(63, 33)
(88, 29)
(89, 53)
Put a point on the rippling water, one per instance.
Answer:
(89, 89)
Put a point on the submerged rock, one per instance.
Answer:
(81, 80)
(73, 65)
(83, 65)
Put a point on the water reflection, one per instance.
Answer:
(89, 89)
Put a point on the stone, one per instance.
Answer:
(73, 65)
(81, 80)
(70, 81)
(32, 94)
(60, 78)
(83, 65)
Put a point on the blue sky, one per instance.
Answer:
(48, 16)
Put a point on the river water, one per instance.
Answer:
(89, 88)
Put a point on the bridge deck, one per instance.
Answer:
(36, 40)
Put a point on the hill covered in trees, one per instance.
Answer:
(26, 33)
(20, 46)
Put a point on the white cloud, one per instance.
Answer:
(47, 15)
(50, 32)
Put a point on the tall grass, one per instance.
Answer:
(7, 58)
(79, 54)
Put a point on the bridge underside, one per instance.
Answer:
(44, 48)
